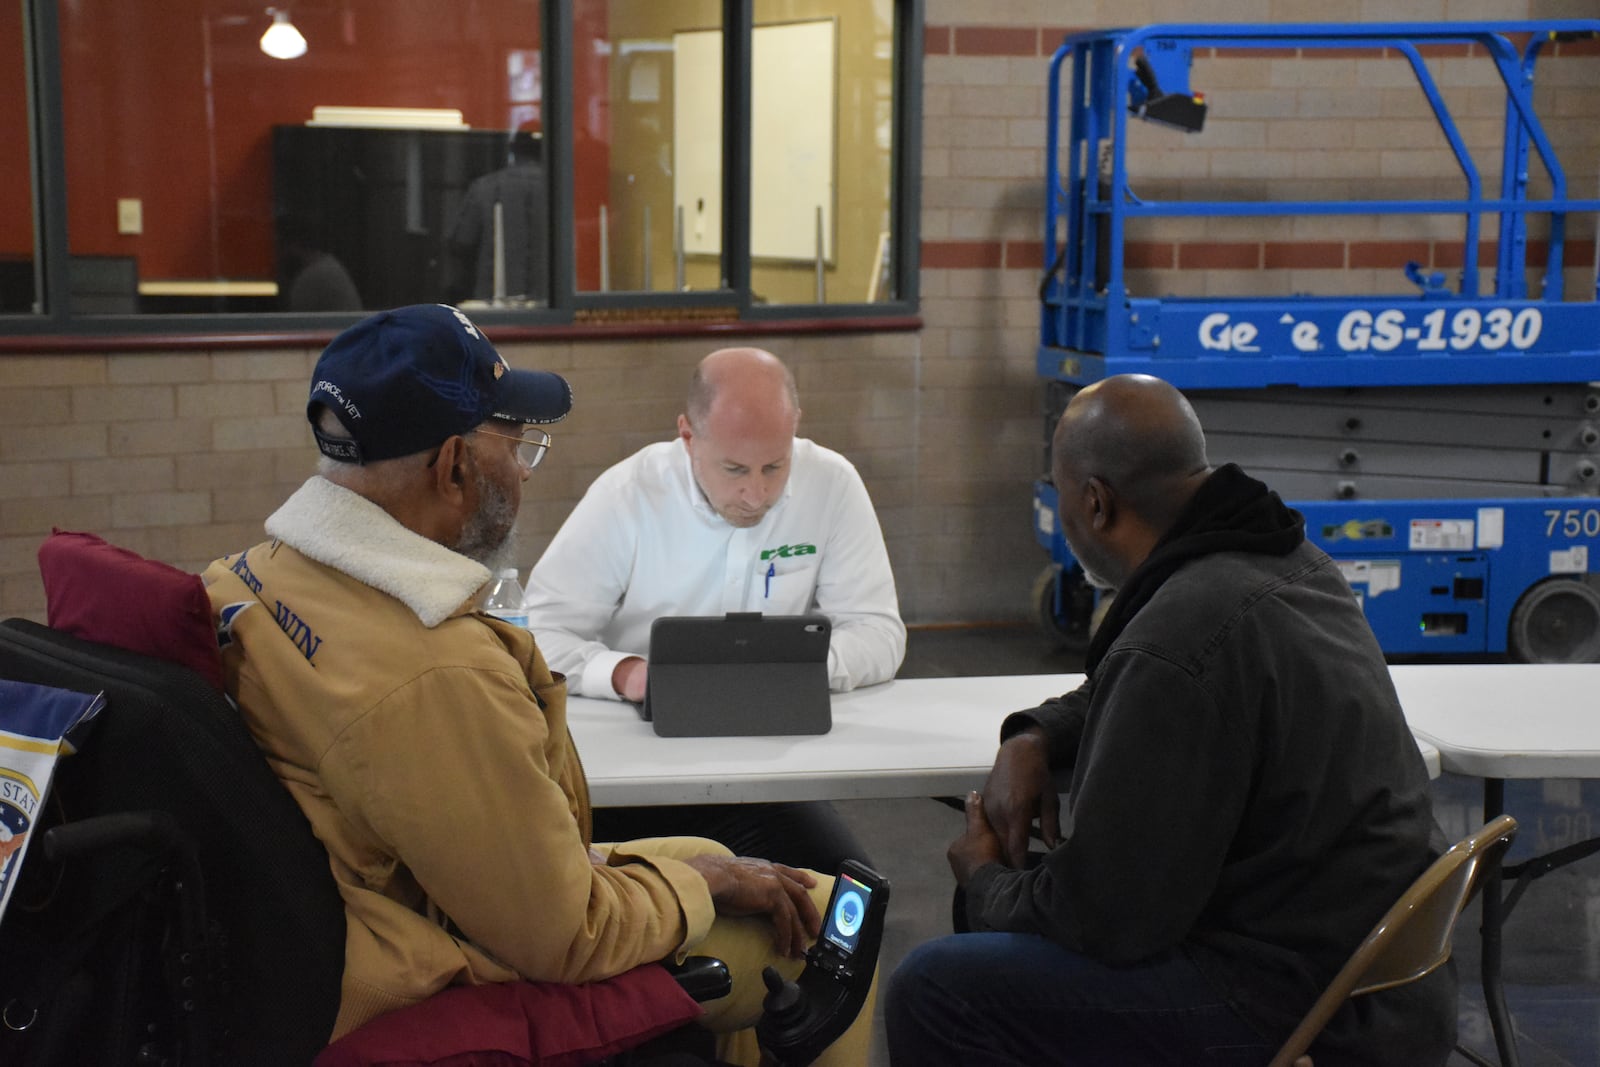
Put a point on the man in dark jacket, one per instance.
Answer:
(500, 239)
(1245, 801)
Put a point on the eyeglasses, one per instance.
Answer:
(532, 444)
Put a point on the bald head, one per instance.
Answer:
(738, 427)
(744, 381)
(1140, 436)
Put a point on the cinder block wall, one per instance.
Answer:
(181, 455)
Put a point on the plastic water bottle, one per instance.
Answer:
(504, 598)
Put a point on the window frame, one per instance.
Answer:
(569, 311)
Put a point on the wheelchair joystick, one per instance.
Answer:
(785, 1009)
(803, 1017)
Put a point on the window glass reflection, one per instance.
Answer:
(16, 207)
(398, 159)
(634, 62)
(822, 120)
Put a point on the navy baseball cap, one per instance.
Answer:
(403, 381)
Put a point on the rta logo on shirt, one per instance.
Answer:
(786, 551)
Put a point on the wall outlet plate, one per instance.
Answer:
(130, 215)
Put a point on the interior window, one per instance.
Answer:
(227, 156)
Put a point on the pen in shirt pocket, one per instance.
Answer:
(772, 569)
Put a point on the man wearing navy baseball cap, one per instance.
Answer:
(426, 740)
(401, 381)
(398, 401)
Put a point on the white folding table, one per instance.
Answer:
(920, 737)
(1500, 721)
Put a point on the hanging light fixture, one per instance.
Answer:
(282, 40)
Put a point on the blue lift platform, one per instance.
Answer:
(1443, 441)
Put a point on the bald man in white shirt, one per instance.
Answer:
(734, 514)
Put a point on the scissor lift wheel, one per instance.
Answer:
(1070, 628)
(1557, 621)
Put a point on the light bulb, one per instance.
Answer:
(282, 40)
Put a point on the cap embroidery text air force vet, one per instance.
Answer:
(403, 381)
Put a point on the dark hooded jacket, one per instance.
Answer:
(1244, 788)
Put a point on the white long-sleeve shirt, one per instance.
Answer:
(643, 543)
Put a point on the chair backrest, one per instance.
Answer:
(168, 741)
(1413, 937)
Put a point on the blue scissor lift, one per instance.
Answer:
(1442, 442)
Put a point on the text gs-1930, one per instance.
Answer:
(1440, 330)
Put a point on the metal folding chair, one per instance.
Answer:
(1412, 939)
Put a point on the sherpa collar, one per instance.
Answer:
(344, 530)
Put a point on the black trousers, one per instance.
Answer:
(800, 834)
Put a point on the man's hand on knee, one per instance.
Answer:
(1020, 788)
(977, 846)
(743, 885)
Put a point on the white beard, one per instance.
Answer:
(487, 537)
(1094, 580)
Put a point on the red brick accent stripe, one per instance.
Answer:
(1149, 255)
(1394, 254)
(959, 255)
(1245, 255)
(1219, 255)
(1453, 253)
(1305, 255)
(996, 41)
(1448, 254)
(1573, 252)
(1050, 38)
(1044, 40)
(1025, 254)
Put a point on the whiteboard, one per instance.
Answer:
(792, 146)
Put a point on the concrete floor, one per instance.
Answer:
(1552, 956)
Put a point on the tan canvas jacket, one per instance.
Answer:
(427, 744)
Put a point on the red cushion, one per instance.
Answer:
(514, 1024)
(103, 593)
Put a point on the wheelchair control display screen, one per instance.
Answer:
(847, 914)
(852, 926)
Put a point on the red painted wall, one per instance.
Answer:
(591, 137)
(140, 122)
(16, 213)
